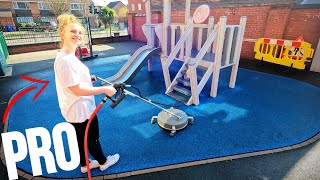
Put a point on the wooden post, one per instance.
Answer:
(229, 45)
(193, 84)
(189, 40)
(182, 30)
(237, 52)
(210, 29)
(173, 37)
(315, 66)
(192, 69)
(166, 74)
(166, 23)
(199, 37)
(218, 55)
(148, 11)
(187, 12)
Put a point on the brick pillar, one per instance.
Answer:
(131, 24)
(35, 11)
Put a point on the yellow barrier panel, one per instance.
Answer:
(284, 52)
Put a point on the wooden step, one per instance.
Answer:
(184, 72)
(199, 76)
(201, 68)
(182, 90)
(179, 97)
(185, 82)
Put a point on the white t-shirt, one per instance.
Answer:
(70, 71)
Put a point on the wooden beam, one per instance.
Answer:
(194, 85)
(148, 11)
(233, 77)
(173, 37)
(199, 43)
(165, 70)
(229, 46)
(218, 55)
(210, 29)
(189, 40)
(182, 31)
(166, 23)
(187, 12)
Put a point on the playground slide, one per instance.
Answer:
(133, 65)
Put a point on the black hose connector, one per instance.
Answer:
(117, 101)
(119, 87)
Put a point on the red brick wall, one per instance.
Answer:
(131, 22)
(4, 21)
(135, 25)
(6, 5)
(136, 2)
(262, 21)
(139, 21)
(305, 23)
(277, 23)
(32, 48)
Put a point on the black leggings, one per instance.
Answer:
(94, 146)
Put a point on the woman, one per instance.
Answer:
(76, 93)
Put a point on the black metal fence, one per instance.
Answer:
(31, 35)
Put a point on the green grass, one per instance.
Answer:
(7, 35)
(112, 29)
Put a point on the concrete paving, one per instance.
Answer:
(302, 163)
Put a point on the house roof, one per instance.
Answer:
(113, 4)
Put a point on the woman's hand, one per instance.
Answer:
(93, 78)
(110, 90)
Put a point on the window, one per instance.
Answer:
(75, 6)
(21, 5)
(48, 19)
(25, 19)
(132, 7)
(43, 6)
(139, 7)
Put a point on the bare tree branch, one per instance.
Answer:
(58, 7)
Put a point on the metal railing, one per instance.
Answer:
(32, 35)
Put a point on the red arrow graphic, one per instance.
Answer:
(22, 93)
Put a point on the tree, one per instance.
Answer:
(58, 7)
(107, 16)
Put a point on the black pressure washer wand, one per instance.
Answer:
(126, 92)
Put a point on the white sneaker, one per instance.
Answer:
(111, 160)
(93, 164)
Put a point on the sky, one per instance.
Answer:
(105, 2)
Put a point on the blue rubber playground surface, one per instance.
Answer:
(262, 112)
